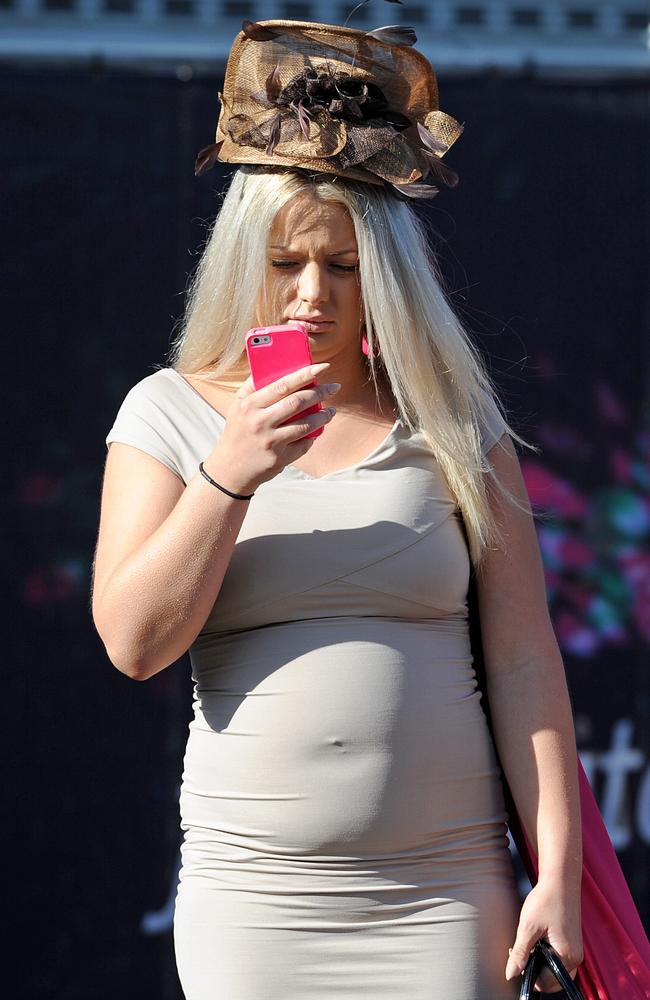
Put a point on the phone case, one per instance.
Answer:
(287, 351)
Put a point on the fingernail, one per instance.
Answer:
(319, 367)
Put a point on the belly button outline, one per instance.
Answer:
(336, 742)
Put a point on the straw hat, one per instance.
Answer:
(320, 97)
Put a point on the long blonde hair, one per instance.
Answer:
(437, 377)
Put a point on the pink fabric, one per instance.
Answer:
(616, 963)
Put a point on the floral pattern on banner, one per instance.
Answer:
(595, 544)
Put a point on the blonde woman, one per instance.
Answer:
(344, 826)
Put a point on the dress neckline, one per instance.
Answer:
(294, 468)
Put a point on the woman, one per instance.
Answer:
(345, 830)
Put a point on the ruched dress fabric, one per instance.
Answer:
(344, 824)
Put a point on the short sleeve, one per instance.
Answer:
(491, 424)
(144, 422)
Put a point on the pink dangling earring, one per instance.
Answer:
(365, 348)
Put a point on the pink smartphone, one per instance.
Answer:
(274, 351)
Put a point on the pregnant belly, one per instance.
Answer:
(339, 736)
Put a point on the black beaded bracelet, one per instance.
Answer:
(236, 496)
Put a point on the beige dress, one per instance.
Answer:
(344, 825)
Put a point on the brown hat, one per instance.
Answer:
(361, 104)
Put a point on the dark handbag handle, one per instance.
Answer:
(542, 954)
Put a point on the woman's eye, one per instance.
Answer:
(289, 263)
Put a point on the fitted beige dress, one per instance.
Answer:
(344, 825)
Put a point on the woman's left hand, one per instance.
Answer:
(550, 910)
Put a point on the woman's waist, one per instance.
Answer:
(364, 681)
(303, 666)
(289, 638)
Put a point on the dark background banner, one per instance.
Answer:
(544, 245)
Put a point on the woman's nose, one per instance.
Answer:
(313, 283)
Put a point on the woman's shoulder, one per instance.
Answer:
(162, 383)
(166, 395)
(160, 415)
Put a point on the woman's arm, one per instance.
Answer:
(162, 554)
(163, 549)
(532, 717)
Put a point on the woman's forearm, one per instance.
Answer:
(535, 737)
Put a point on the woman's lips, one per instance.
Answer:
(317, 325)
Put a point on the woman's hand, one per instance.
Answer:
(255, 446)
(550, 910)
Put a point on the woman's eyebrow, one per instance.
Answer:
(336, 253)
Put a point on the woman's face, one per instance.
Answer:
(312, 271)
